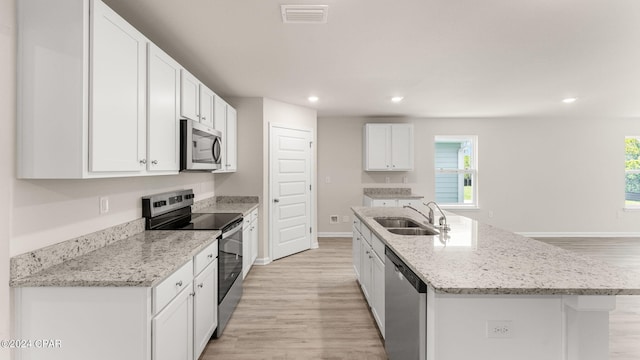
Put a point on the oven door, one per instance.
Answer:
(200, 147)
(229, 259)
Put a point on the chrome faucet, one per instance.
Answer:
(443, 219)
(430, 219)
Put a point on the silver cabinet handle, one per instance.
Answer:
(179, 283)
(143, 161)
(154, 162)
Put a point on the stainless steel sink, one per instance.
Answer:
(397, 222)
(405, 226)
(413, 231)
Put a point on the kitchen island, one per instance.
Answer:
(492, 294)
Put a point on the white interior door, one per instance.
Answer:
(290, 190)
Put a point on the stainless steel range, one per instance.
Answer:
(172, 211)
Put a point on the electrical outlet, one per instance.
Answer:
(334, 219)
(387, 179)
(502, 329)
(405, 179)
(327, 179)
(104, 205)
(346, 219)
(490, 213)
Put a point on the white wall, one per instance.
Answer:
(558, 176)
(7, 155)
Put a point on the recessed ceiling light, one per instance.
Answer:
(569, 100)
(397, 99)
(313, 98)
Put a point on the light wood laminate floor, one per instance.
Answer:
(309, 306)
(305, 306)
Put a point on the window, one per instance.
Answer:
(456, 159)
(632, 172)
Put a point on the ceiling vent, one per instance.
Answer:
(304, 14)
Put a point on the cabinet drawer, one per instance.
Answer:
(205, 257)
(366, 233)
(378, 246)
(171, 286)
(356, 223)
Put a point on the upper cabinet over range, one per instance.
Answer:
(388, 147)
(96, 98)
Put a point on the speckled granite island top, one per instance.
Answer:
(481, 259)
(143, 259)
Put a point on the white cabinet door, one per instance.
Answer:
(172, 329)
(377, 291)
(220, 124)
(377, 147)
(355, 251)
(384, 202)
(402, 147)
(254, 239)
(189, 96)
(163, 111)
(117, 121)
(205, 307)
(246, 247)
(207, 98)
(365, 270)
(231, 140)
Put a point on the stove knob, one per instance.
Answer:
(159, 204)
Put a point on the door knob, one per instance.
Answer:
(276, 200)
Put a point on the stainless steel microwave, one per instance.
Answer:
(200, 147)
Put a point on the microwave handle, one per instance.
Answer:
(216, 149)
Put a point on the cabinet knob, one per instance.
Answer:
(210, 256)
(204, 118)
(179, 283)
(143, 161)
(154, 162)
(200, 286)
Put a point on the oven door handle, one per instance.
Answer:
(232, 231)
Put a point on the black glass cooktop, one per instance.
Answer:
(199, 221)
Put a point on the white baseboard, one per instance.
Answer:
(578, 234)
(335, 234)
(262, 261)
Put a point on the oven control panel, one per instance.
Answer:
(158, 204)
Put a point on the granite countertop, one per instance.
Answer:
(390, 193)
(143, 260)
(244, 208)
(476, 258)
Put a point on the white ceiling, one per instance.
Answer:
(448, 58)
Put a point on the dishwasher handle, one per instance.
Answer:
(402, 268)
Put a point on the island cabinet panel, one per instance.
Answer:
(529, 327)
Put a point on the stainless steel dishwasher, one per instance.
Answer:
(405, 311)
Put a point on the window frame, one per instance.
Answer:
(629, 207)
(473, 171)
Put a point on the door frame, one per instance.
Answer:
(313, 244)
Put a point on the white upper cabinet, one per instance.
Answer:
(388, 147)
(207, 100)
(226, 122)
(163, 112)
(118, 79)
(92, 99)
(189, 96)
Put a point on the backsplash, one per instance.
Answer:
(387, 191)
(32, 262)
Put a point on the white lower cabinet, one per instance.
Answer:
(172, 328)
(249, 241)
(368, 264)
(392, 202)
(205, 316)
(172, 320)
